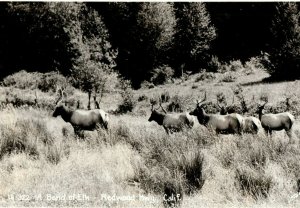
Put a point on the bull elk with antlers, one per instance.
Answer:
(81, 119)
(171, 122)
(231, 123)
(250, 124)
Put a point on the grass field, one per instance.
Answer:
(135, 163)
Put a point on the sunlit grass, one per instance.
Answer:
(40, 156)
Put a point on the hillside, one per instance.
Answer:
(44, 164)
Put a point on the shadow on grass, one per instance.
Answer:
(268, 80)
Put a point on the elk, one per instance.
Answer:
(231, 123)
(250, 124)
(171, 122)
(81, 119)
(276, 122)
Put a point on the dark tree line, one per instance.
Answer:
(88, 40)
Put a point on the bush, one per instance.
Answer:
(128, 101)
(161, 75)
(253, 183)
(229, 77)
(35, 80)
(177, 104)
(51, 80)
(205, 76)
(235, 65)
(23, 80)
(142, 98)
(214, 64)
(147, 85)
(165, 97)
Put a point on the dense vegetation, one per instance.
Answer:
(140, 41)
(172, 52)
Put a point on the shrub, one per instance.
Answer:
(128, 101)
(161, 75)
(177, 104)
(23, 80)
(165, 97)
(51, 80)
(228, 77)
(253, 183)
(214, 64)
(235, 65)
(147, 85)
(142, 98)
(35, 80)
(205, 76)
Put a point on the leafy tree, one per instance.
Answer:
(69, 37)
(142, 32)
(194, 35)
(33, 38)
(285, 45)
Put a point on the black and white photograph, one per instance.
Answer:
(150, 104)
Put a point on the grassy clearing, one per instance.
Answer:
(136, 164)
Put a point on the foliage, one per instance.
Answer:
(194, 34)
(228, 77)
(46, 82)
(62, 36)
(23, 80)
(128, 101)
(161, 75)
(142, 32)
(205, 76)
(285, 47)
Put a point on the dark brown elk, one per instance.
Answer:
(231, 123)
(276, 122)
(171, 122)
(250, 124)
(81, 119)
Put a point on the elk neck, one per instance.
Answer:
(260, 113)
(203, 117)
(158, 117)
(66, 114)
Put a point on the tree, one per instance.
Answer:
(142, 32)
(285, 46)
(69, 37)
(92, 67)
(194, 35)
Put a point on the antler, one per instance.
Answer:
(219, 104)
(160, 104)
(201, 102)
(263, 105)
(59, 91)
(152, 102)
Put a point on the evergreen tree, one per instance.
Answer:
(285, 46)
(194, 35)
(142, 32)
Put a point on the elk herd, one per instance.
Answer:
(224, 122)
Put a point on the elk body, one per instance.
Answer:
(250, 124)
(172, 122)
(231, 123)
(276, 122)
(82, 119)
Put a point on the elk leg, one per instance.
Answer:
(78, 132)
(167, 130)
(289, 133)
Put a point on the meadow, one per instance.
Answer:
(136, 164)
